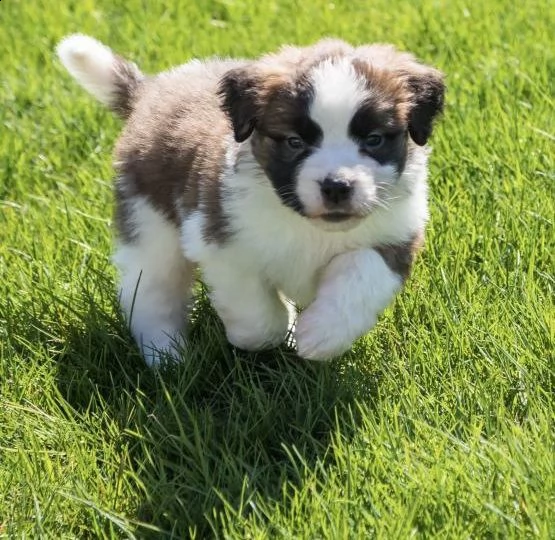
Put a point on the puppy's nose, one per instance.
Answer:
(336, 190)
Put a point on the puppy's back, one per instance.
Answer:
(172, 149)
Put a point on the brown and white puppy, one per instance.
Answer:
(295, 179)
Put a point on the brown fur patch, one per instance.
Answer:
(400, 257)
(172, 150)
(127, 79)
(418, 89)
(285, 114)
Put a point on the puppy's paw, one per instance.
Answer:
(323, 333)
(161, 349)
(254, 342)
(257, 337)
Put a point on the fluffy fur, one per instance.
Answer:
(297, 180)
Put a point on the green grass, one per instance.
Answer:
(439, 424)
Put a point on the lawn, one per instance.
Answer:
(440, 423)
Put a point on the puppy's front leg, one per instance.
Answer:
(254, 315)
(355, 288)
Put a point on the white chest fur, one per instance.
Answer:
(286, 249)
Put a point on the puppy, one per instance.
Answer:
(297, 180)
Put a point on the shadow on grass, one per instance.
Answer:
(221, 429)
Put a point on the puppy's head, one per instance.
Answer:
(332, 126)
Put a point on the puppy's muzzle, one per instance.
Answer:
(337, 192)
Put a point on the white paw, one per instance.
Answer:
(323, 333)
(255, 331)
(161, 348)
(255, 339)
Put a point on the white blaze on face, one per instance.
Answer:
(338, 92)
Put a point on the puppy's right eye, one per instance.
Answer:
(373, 141)
(295, 143)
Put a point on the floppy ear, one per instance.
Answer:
(427, 88)
(238, 96)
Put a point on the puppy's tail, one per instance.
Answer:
(111, 79)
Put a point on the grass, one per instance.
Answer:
(439, 424)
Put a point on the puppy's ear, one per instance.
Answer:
(238, 95)
(427, 88)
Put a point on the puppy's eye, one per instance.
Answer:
(295, 143)
(373, 141)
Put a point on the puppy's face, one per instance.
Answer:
(333, 127)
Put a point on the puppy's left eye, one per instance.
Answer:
(295, 143)
(373, 141)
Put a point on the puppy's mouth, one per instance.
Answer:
(336, 221)
(336, 217)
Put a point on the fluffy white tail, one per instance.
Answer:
(111, 79)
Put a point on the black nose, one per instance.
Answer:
(335, 190)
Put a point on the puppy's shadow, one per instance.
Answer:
(222, 427)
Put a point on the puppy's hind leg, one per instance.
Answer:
(155, 280)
